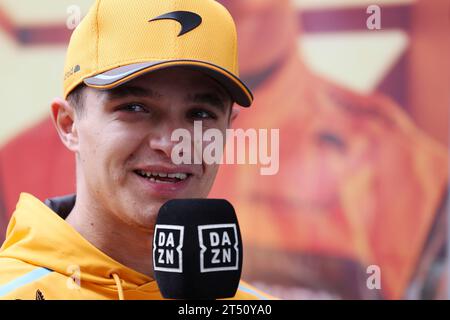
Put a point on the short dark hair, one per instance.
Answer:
(76, 99)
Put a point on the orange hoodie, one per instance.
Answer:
(43, 257)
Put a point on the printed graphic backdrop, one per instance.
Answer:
(363, 119)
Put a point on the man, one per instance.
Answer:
(335, 208)
(132, 77)
(359, 186)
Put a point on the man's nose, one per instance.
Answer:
(160, 139)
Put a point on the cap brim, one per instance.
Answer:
(117, 76)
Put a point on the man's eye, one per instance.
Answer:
(202, 114)
(134, 108)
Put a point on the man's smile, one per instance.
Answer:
(164, 180)
(163, 177)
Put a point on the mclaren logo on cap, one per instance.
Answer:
(219, 247)
(188, 20)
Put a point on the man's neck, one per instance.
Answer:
(127, 244)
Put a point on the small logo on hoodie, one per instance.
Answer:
(39, 295)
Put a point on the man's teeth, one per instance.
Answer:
(153, 175)
(180, 176)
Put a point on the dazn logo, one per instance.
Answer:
(219, 247)
(167, 248)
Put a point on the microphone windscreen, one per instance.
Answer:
(197, 249)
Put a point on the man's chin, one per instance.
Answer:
(145, 217)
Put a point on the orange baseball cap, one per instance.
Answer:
(120, 40)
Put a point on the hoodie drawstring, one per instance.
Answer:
(119, 285)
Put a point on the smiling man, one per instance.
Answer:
(122, 139)
(135, 72)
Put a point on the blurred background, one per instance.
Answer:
(364, 128)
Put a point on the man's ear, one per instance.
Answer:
(63, 116)
(235, 110)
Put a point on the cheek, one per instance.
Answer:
(213, 156)
(108, 148)
(90, 144)
(121, 148)
(207, 180)
(213, 172)
(214, 141)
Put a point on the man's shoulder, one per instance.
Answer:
(249, 292)
(10, 267)
(18, 277)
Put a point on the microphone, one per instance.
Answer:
(197, 249)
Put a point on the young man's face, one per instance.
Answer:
(124, 149)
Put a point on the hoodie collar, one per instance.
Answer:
(62, 206)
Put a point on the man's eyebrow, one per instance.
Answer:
(125, 91)
(208, 98)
